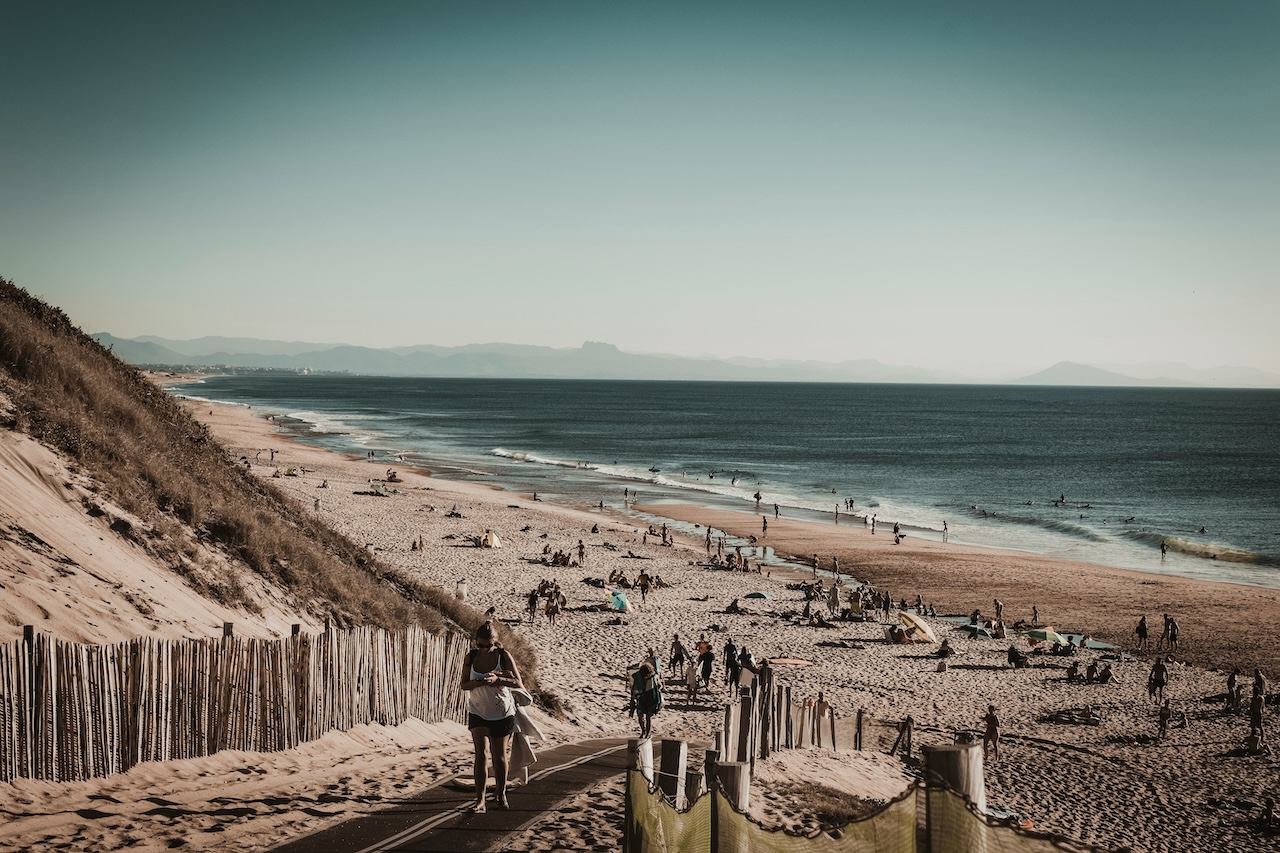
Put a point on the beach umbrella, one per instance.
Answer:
(922, 629)
(619, 601)
(756, 595)
(975, 631)
(1047, 635)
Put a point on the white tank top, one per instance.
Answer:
(489, 702)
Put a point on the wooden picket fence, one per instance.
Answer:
(70, 711)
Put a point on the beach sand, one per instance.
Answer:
(1107, 784)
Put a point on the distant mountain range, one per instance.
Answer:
(595, 360)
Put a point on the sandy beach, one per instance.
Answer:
(1111, 784)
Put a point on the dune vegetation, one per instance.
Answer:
(148, 457)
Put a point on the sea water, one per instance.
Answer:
(1102, 475)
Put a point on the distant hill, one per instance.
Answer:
(1071, 373)
(593, 360)
(596, 360)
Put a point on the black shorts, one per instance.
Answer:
(497, 728)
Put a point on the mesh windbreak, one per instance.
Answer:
(656, 827)
(890, 830)
(954, 827)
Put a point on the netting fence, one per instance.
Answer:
(951, 824)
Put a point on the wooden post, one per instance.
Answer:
(857, 738)
(911, 725)
(692, 784)
(729, 738)
(710, 761)
(790, 731)
(735, 776)
(766, 708)
(831, 715)
(675, 754)
(297, 629)
(629, 840)
(958, 766)
(744, 726)
(228, 629)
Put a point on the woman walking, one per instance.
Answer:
(489, 674)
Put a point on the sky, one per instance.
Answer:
(979, 187)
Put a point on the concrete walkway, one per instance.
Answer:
(438, 819)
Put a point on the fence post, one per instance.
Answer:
(27, 760)
(743, 751)
(710, 763)
(675, 754)
(857, 738)
(629, 841)
(297, 629)
(790, 723)
(766, 708)
(228, 629)
(957, 766)
(736, 778)
(831, 715)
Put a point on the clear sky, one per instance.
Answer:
(982, 187)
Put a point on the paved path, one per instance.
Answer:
(439, 820)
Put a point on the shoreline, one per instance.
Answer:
(1101, 601)
(479, 455)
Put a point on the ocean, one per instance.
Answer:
(1101, 475)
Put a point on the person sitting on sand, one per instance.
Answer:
(733, 607)
(1105, 675)
(1018, 659)
(945, 650)
(1073, 671)
(1091, 674)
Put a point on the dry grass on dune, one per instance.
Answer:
(151, 459)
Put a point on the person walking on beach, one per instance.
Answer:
(764, 525)
(991, 734)
(999, 605)
(582, 553)
(646, 695)
(730, 663)
(945, 532)
(1166, 713)
(489, 676)
(1035, 615)
(532, 606)
(678, 654)
(1256, 703)
(1141, 631)
(1173, 634)
(775, 510)
(1157, 680)
(1164, 633)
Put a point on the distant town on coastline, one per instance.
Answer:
(595, 360)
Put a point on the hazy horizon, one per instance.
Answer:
(987, 189)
